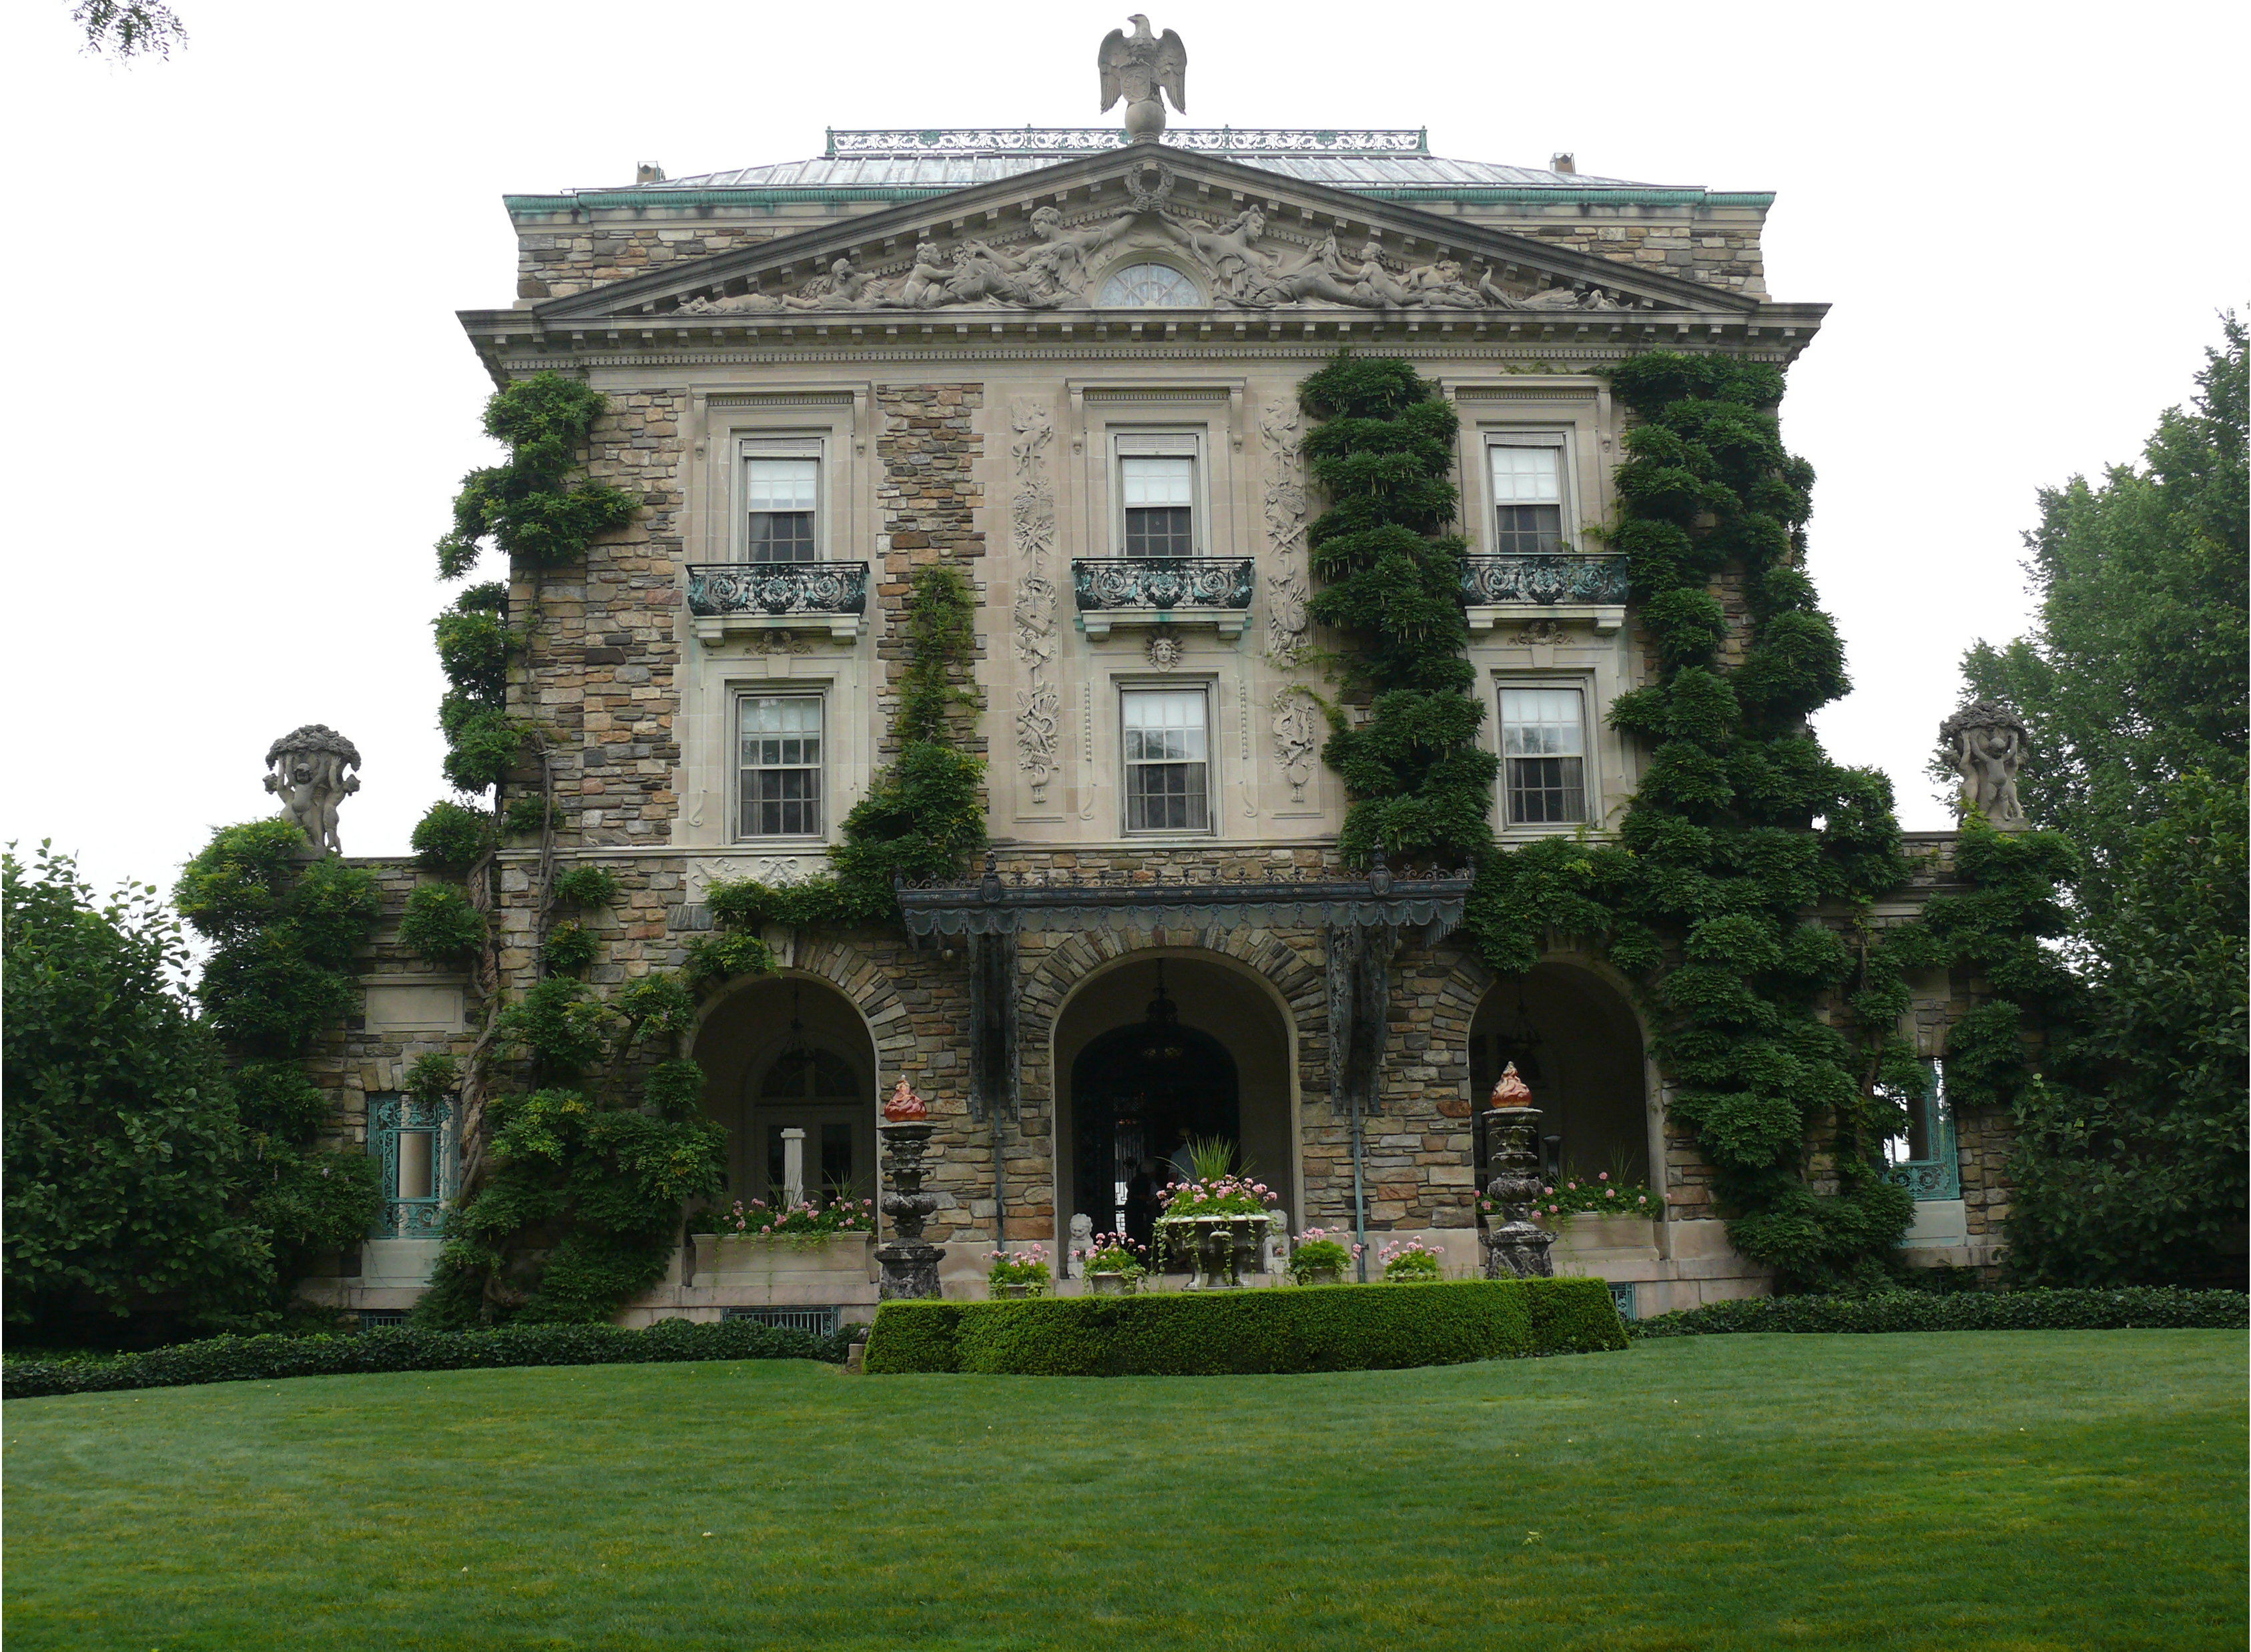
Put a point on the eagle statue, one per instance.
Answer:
(1137, 68)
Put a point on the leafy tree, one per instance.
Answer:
(123, 1147)
(128, 29)
(2132, 683)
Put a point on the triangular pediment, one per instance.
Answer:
(1054, 240)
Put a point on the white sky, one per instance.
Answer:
(239, 401)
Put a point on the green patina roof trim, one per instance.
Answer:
(644, 200)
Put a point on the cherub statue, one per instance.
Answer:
(1082, 1243)
(308, 774)
(1984, 743)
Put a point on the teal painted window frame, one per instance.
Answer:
(389, 1117)
(1938, 1176)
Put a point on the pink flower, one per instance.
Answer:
(1603, 1177)
(1612, 1194)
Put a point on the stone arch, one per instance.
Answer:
(1619, 1113)
(1272, 973)
(855, 974)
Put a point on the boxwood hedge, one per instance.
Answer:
(2133, 1309)
(255, 1359)
(1228, 1333)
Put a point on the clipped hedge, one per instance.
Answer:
(257, 1358)
(1249, 1332)
(2139, 1309)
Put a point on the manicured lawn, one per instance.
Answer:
(2004, 1492)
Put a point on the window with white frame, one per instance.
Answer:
(781, 501)
(1543, 754)
(780, 741)
(1157, 487)
(1527, 497)
(1168, 759)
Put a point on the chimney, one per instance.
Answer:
(648, 172)
(1562, 163)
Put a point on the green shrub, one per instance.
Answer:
(451, 837)
(258, 1358)
(528, 814)
(1226, 1333)
(586, 886)
(439, 922)
(2133, 1309)
(571, 947)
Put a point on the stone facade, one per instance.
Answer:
(991, 436)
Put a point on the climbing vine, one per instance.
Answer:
(283, 933)
(1740, 827)
(923, 816)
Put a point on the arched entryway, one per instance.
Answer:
(789, 1052)
(1576, 1042)
(1162, 1048)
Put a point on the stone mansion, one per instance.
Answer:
(1066, 364)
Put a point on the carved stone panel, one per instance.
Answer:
(1032, 526)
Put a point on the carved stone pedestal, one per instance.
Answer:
(1515, 1247)
(910, 1265)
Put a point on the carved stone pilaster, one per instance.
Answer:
(1032, 521)
(1288, 586)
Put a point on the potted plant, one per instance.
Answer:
(1320, 1258)
(1407, 1261)
(1113, 1264)
(1019, 1273)
(1218, 1223)
(800, 1239)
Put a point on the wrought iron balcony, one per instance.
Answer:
(1562, 584)
(762, 596)
(1145, 590)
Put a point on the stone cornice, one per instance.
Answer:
(514, 341)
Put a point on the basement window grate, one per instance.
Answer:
(821, 1322)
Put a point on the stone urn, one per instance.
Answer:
(1517, 1246)
(1220, 1249)
(1108, 1284)
(1322, 1276)
(1013, 1292)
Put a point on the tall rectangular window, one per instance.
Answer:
(1543, 756)
(1528, 496)
(780, 741)
(780, 497)
(1168, 760)
(1160, 495)
(412, 1142)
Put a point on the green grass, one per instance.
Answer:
(2008, 1491)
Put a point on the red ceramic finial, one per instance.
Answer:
(904, 1106)
(1512, 1091)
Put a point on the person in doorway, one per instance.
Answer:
(1183, 1160)
(1144, 1204)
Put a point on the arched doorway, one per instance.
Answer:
(1577, 1043)
(790, 1052)
(1161, 1048)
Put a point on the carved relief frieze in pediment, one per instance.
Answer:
(1231, 260)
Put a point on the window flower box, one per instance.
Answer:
(763, 1260)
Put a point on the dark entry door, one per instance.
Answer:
(1134, 1092)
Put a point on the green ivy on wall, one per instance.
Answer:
(1740, 827)
(923, 815)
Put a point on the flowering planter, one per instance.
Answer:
(1322, 1276)
(1219, 1250)
(768, 1259)
(1013, 1292)
(1108, 1284)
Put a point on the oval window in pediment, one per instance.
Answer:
(1149, 287)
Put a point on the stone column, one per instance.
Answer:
(792, 1165)
(1516, 1248)
(909, 1263)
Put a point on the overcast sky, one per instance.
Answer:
(239, 403)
